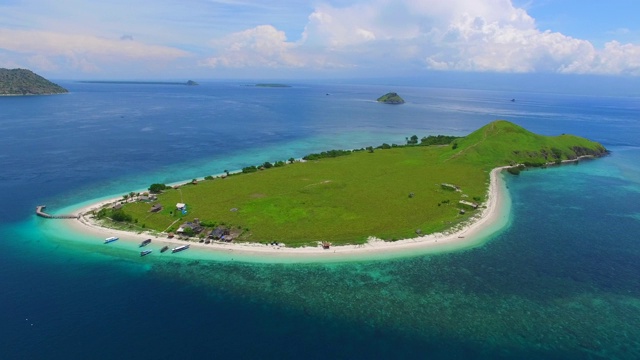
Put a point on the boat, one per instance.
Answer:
(179, 248)
(145, 243)
(110, 239)
(164, 248)
(145, 252)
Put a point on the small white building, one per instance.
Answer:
(180, 206)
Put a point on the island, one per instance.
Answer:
(26, 82)
(437, 188)
(135, 82)
(390, 98)
(273, 85)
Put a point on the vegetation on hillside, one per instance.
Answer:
(391, 98)
(394, 193)
(26, 82)
(504, 143)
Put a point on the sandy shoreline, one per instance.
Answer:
(468, 234)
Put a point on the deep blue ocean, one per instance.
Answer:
(560, 281)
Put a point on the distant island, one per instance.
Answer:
(391, 98)
(133, 82)
(26, 82)
(424, 187)
(273, 85)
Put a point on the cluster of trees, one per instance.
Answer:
(157, 188)
(265, 165)
(431, 140)
(438, 140)
(114, 214)
(327, 154)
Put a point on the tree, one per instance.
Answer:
(267, 165)
(292, 160)
(157, 188)
(412, 140)
(188, 231)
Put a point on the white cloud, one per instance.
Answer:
(262, 46)
(466, 35)
(49, 50)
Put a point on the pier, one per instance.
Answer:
(40, 212)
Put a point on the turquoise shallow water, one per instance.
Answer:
(560, 281)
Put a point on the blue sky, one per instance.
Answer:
(205, 39)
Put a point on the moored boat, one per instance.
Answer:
(179, 248)
(110, 239)
(164, 248)
(145, 243)
(145, 252)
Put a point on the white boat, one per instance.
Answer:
(110, 239)
(179, 248)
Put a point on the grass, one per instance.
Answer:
(346, 199)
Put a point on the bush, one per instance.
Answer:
(327, 154)
(437, 140)
(120, 216)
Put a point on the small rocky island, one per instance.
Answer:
(26, 82)
(391, 98)
(192, 83)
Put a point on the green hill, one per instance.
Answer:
(26, 82)
(391, 98)
(391, 193)
(504, 143)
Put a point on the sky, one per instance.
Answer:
(209, 39)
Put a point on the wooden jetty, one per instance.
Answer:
(40, 212)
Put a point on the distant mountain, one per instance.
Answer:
(26, 82)
(391, 98)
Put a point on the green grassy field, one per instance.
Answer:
(349, 198)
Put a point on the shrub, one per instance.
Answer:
(249, 169)
(120, 216)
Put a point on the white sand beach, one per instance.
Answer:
(491, 217)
